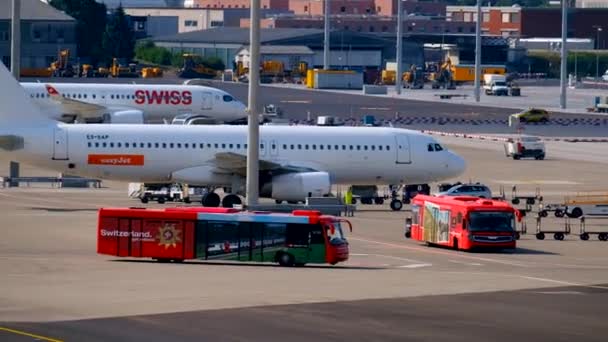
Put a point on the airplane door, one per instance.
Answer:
(403, 149)
(274, 148)
(207, 101)
(60, 146)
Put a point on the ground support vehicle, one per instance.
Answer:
(586, 204)
(178, 234)
(558, 234)
(162, 193)
(600, 222)
(462, 222)
(525, 147)
(495, 84)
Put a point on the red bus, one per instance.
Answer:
(177, 234)
(463, 222)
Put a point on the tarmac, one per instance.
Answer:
(56, 288)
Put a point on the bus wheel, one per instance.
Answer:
(540, 236)
(396, 205)
(285, 259)
(455, 244)
(230, 200)
(584, 236)
(211, 199)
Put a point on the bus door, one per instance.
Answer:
(297, 240)
(317, 243)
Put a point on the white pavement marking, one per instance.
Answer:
(439, 251)
(561, 282)
(466, 263)
(560, 292)
(415, 265)
(296, 101)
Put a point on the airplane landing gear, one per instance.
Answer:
(211, 199)
(230, 200)
(396, 204)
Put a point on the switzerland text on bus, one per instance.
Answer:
(463, 222)
(178, 234)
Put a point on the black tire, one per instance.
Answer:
(396, 205)
(515, 201)
(187, 200)
(408, 235)
(144, 200)
(540, 236)
(278, 201)
(576, 212)
(161, 200)
(211, 199)
(379, 200)
(455, 244)
(285, 259)
(230, 200)
(530, 201)
(559, 213)
(584, 236)
(602, 236)
(543, 213)
(558, 236)
(353, 201)
(516, 157)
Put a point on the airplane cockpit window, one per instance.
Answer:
(438, 147)
(227, 98)
(430, 148)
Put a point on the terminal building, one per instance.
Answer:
(44, 32)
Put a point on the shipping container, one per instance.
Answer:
(331, 79)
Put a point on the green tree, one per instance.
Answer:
(90, 23)
(118, 38)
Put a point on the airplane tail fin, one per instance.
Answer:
(16, 108)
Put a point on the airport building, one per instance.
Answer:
(44, 32)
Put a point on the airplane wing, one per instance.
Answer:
(237, 164)
(73, 106)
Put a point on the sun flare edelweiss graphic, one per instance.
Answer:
(168, 236)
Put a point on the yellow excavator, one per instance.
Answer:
(194, 69)
(62, 66)
(442, 78)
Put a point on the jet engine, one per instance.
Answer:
(296, 186)
(124, 117)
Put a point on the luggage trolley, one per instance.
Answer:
(557, 234)
(601, 235)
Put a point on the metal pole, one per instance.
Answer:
(478, 51)
(564, 55)
(399, 70)
(597, 53)
(16, 39)
(253, 153)
(326, 59)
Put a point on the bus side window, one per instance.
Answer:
(297, 234)
(316, 234)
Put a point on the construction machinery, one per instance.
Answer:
(62, 67)
(193, 68)
(272, 71)
(443, 78)
(151, 72)
(414, 78)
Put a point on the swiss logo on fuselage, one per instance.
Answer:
(170, 97)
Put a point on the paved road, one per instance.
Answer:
(540, 314)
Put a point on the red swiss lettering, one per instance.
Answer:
(186, 97)
(140, 97)
(175, 98)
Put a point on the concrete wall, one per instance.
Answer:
(187, 19)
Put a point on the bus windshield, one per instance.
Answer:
(491, 221)
(337, 238)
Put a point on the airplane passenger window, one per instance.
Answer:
(388, 148)
(96, 144)
(104, 145)
(238, 146)
(351, 147)
(284, 146)
(170, 145)
(245, 146)
(85, 96)
(179, 145)
(230, 145)
(273, 146)
(201, 145)
(186, 145)
(329, 147)
(111, 145)
(344, 147)
(299, 147)
(358, 147)
(291, 146)
(314, 146)
(223, 145)
(89, 144)
(373, 147)
(430, 147)
(112, 96)
(365, 147)
(126, 145)
(37, 95)
(155, 145)
(216, 145)
(141, 145)
(438, 147)
(134, 145)
(306, 147)
(380, 147)
(320, 147)
(164, 145)
(227, 98)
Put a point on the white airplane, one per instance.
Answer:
(295, 161)
(133, 103)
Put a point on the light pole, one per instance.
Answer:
(16, 39)
(399, 70)
(564, 55)
(253, 136)
(597, 52)
(478, 52)
(326, 60)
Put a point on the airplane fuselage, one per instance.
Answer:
(158, 102)
(153, 153)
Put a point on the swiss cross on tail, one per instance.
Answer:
(51, 90)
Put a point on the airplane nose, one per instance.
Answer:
(456, 166)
